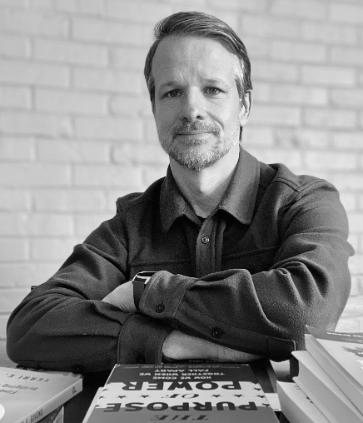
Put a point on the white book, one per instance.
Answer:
(326, 395)
(297, 406)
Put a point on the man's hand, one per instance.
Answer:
(180, 346)
(122, 297)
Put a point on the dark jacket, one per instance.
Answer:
(269, 260)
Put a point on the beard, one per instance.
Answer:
(190, 145)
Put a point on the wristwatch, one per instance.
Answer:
(139, 281)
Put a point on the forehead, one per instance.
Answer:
(181, 56)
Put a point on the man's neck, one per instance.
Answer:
(204, 189)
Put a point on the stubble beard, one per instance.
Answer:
(197, 154)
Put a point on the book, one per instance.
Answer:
(325, 394)
(206, 392)
(297, 406)
(56, 416)
(28, 396)
(340, 355)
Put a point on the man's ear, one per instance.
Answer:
(245, 108)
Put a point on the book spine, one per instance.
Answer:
(58, 400)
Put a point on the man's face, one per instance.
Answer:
(197, 108)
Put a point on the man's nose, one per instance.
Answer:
(193, 107)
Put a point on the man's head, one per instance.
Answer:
(198, 74)
(199, 24)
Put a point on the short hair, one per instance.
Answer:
(206, 26)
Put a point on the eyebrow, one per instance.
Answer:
(173, 83)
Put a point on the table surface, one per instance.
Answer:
(76, 408)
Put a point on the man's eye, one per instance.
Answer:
(173, 93)
(213, 91)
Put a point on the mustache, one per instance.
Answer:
(186, 128)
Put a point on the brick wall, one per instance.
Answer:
(76, 129)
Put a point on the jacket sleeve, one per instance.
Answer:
(266, 312)
(63, 324)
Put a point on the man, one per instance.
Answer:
(239, 255)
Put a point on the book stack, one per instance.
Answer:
(210, 392)
(30, 396)
(329, 385)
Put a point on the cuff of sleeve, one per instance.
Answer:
(141, 340)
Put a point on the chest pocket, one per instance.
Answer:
(253, 261)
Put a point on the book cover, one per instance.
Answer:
(297, 406)
(325, 394)
(28, 396)
(340, 355)
(181, 392)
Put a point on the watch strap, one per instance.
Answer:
(139, 282)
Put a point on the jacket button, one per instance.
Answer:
(205, 239)
(160, 308)
(217, 332)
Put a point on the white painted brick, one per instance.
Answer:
(107, 80)
(298, 52)
(257, 48)
(70, 52)
(349, 201)
(347, 97)
(10, 298)
(276, 115)
(88, 7)
(360, 201)
(72, 102)
(39, 224)
(246, 5)
(126, 105)
(25, 72)
(14, 200)
(3, 324)
(15, 97)
(330, 119)
(310, 138)
(69, 200)
(109, 128)
(35, 124)
(298, 94)
(345, 12)
(290, 158)
(348, 140)
(45, 224)
(140, 154)
(346, 55)
(72, 151)
(53, 249)
(34, 174)
(328, 33)
(26, 274)
(150, 132)
(16, 148)
(14, 3)
(328, 75)
(13, 46)
(307, 9)
(40, 4)
(257, 136)
(128, 57)
(272, 71)
(107, 176)
(85, 224)
(331, 160)
(350, 181)
(145, 11)
(111, 32)
(269, 26)
(13, 249)
(34, 23)
(356, 226)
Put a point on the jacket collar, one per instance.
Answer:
(239, 199)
